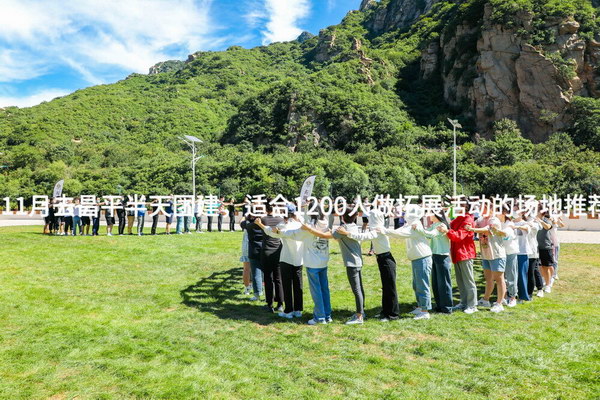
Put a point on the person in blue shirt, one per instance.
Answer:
(141, 215)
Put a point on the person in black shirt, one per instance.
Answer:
(269, 259)
(255, 243)
(154, 206)
(121, 216)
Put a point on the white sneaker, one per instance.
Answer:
(109, 234)
(548, 289)
(297, 314)
(512, 303)
(484, 303)
(470, 310)
(540, 293)
(255, 298)
(555, 277)
(416, 311)
(315, 322)
(496, 308)
(329, 320)
(552, 282)
(355, 320)
(248, 290)
(422, 315)
(504, 302)
(459, 307)
(286, 315)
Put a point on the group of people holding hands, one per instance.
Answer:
(519, 253)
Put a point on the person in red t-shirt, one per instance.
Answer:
(462, 252)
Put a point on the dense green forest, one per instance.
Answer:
(346, 105)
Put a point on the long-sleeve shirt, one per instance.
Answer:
(381, 243)
(511, 244)
(417, 243)
(351, 250)
(271, 245)
(292, 251)
(462, 246)
(440, 244)
(316, 249)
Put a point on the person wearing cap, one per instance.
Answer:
(290, 263)
(390, 309)
(419, 253)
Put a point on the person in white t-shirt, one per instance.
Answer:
(511, 246)
(493, 254)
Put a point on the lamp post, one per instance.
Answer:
(191, 141)
(455, 125)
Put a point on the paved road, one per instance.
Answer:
(16, 220)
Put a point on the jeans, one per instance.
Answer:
(511, 275)
(272, 277)
(355, 279)
(319, 290)
(421, 269)
(291, 280)
(209, 223)
(95, 225)
(187, 221)
(523, 267)
(466, 283)
(220, 222)
(179, 226)
(389, 294)
(76, 224)
(257, 276)
(198, 222)
(140, 224)
(441, 282)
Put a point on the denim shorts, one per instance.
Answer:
(495, 265)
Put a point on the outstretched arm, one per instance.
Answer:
(311, 230)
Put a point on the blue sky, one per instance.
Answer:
(50, 48)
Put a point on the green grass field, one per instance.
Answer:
(164, 317)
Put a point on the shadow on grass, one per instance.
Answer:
(220, 294)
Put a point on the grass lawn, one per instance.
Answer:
(165, 317)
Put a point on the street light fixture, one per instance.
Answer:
(191, 141)
(456, 125)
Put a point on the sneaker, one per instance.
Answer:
(555, 277)
(270, 309)
(279, 309)
(329, 320)
(484, 303)
(355, 320)
(297, 314)
(504, 302)
(416, 311)
(422, 315)
(248, 290)
(315, 322)
(552, 281)
(286, 315)
(540, 293)
(384, 319)
(255, 298)
(520, 302)
(512, 303)
(458, 307)
(548, 289)
(496, 308)
(109, 234)
(470, 310)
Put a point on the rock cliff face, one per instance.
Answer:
(490, 72)
(166, 66)
(398, 14)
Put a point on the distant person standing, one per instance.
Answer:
(110, 221)
(198, 211)
(169, 216)
(141, 215)
(68, 219)
(96, 220)
(269, 260)
(155, 215)
(222, 212)
(231, 213)
(122, 217)
(76, 217)
(130, 217)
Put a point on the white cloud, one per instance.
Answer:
(84, 34)
(32, 100)
(283, 17)
(330, 5)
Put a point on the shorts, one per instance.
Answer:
(495, 265)
(546, 257)
(110, 220)
(85, 221)
(169, 219)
